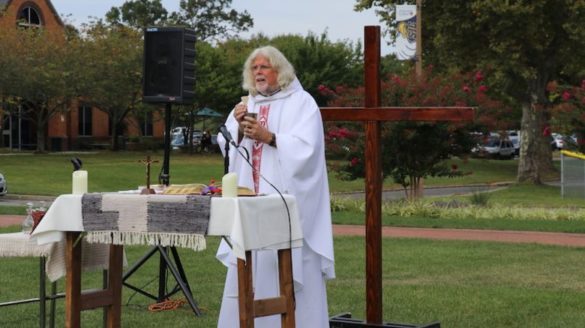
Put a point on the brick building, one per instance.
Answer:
(81, 126)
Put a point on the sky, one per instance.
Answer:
(271, 18)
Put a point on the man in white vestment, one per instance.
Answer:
(286, 146)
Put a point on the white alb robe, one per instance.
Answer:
(297, 167)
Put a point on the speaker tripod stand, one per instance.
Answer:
(165, 262)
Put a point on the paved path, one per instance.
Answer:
(547, 238)
(8, 220)
(388, 194)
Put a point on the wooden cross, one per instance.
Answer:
(372, 114)
(147, 162)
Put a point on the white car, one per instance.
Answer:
(495, 147)
(3, 185)
(178, 139)
(558, 141)
(515, 137)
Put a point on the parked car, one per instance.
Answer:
(178, 138)
(494, 147)
(515, 137)
(558, 141)
(3, 185)
(178, 130)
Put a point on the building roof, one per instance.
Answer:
(54, 12)
(5, 3)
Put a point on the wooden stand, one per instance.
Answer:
(76, 301)
(284, 304)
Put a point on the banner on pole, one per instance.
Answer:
(406, 32)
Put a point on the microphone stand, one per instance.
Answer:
(226, 166)
(226, 158)
(165, 260)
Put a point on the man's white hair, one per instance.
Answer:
(284, 69)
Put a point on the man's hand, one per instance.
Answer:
(240, 110)
(255, 131)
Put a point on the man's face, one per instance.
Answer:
(265, 77)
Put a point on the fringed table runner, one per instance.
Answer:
(166, 220)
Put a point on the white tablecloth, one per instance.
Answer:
(260, 222)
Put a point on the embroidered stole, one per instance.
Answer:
(258, 146)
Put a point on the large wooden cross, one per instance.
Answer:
(372, 114)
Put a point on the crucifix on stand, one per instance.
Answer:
(147, 162)
(372, 114)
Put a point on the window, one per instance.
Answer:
(85, 120)
(146, 124)
(29, 16)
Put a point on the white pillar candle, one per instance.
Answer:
(229, 185)
(79, 182)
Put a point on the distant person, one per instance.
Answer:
(206, 141)
(286, 144)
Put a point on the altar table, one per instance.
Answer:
(261, 222)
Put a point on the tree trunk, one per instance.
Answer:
(40, 119)
(41, 138)
(191, 121)
(415, 188)
(535, 151)
(116, 131)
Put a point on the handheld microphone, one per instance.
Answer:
(227, 135)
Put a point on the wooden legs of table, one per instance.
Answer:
(72, 281)
(245, 291)
(114, 310)
(286, 288)
(283, 305)
(75, 301)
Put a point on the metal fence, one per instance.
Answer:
(572, 174)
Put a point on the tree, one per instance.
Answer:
(528, 44)
(110, 66)
(138, 13)
(319, 61)
(211, 20)
(36, 76)
(412, 151)
(568, 112)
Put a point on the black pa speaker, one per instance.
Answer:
(169, 65)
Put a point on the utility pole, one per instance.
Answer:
(418, 54)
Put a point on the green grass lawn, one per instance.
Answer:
(50, 174)
(459, 283)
